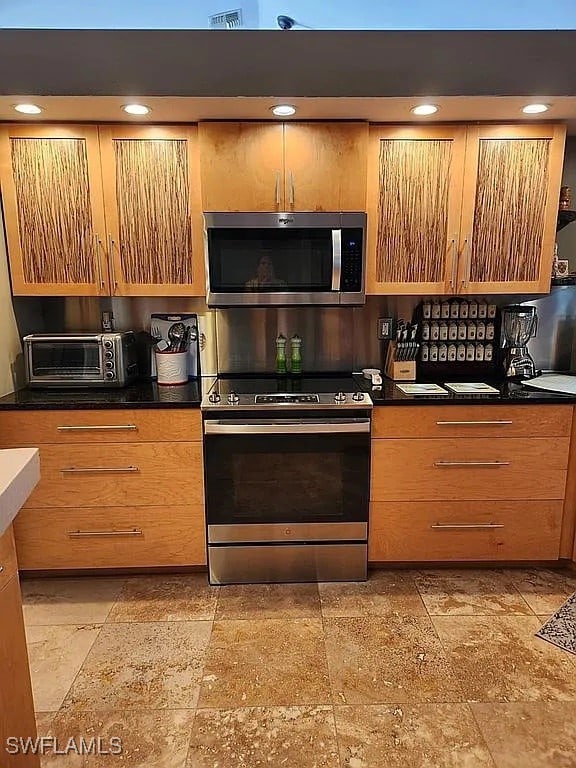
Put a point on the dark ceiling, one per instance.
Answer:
(296, 63)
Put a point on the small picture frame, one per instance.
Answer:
(561, 267)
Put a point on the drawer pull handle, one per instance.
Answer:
(467, 526)
(501, 423)
(1, 568)
(87, 534)
(94, 428)
(88, 470)
(471, 463)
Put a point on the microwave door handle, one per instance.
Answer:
(336, 258)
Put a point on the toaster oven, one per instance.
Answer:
(81, 359)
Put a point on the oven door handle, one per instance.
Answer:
(336, 258)
(287, 427)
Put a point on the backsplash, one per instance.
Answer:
(240, 339)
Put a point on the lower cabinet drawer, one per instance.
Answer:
(473, 468)
(114, 537)
(460, 530)
(138, 474)
(70, 427)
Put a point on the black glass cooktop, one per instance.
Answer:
(271, 385)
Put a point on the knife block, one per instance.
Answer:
(398, 370)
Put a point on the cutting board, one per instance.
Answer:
(554, 382)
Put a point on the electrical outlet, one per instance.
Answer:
(385, 328)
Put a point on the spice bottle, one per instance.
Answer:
(280, 353)
(296, 356)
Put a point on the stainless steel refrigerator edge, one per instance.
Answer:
(554, 347)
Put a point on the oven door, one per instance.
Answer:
(64, 360)
(270, 258)
(287, 479)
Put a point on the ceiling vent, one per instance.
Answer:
(227, 20)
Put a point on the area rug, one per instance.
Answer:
(560, 629)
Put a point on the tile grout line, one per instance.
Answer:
(77, 673)
(481, 732)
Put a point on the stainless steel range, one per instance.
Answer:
(287, 464)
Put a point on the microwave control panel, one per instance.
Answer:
(352, 260)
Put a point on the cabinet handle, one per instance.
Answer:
(466, 526)
(87, 470)
(1, 568)
(454, 262)
(112, 265)
(471, 463)
(291, 188)
(467, 261)
(95, 427)
(277, 188)
(500, 423)
(99, 261)
(87, 534)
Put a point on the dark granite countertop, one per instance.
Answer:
(508, 394)
(144, 394)
(147, 394)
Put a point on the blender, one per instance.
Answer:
(519, 325)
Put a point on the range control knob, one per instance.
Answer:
(233, 398)
(340, 397)
(358, 396)
(214, 397)
(108, 344)
(109, 374)
(109, 364)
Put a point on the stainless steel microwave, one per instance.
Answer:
(80, 359)
(262, 259)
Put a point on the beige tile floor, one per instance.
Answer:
(413, 669)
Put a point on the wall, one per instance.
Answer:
(566, 238)
(10, 348)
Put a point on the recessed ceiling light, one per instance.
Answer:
(535, 109)
(283, 110)
(136, 109)
(424, 109)
(27, 109)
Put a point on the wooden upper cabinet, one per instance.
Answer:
(241, 166)
(510, 207)
(415, 181)
(53, 209)
(325, 166)
(151, 181)
(283, 166)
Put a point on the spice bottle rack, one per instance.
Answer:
(459, 338)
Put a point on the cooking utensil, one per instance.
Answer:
(175, 334)
(183, 347)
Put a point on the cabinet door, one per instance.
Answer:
(510, 207)
(241, 166)
(153, 215)
(415, 180)
(16, 703)
(53, 209)
(325, 166)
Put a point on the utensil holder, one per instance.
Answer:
(399, 370)
(172, 367)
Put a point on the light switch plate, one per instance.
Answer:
(385, 328)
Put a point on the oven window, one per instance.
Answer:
(256, 479)
(65, 359)
(264, 260)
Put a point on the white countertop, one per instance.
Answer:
(19, 473)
